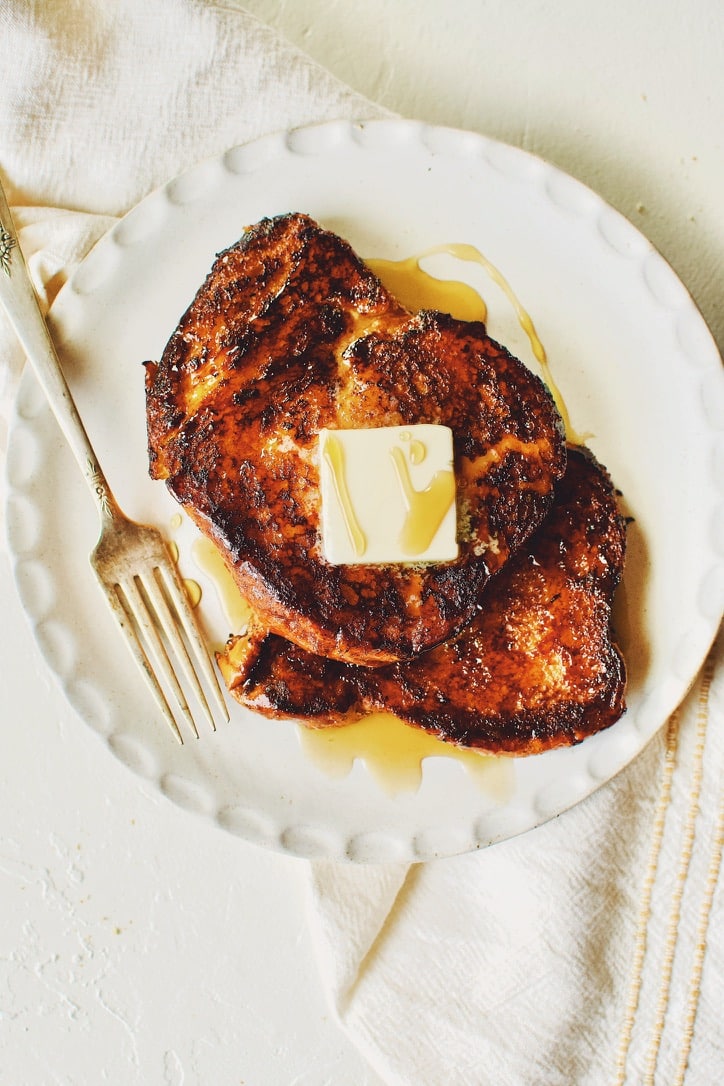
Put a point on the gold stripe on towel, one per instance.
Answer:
(687, 844)
(701, 933)
(657, 833)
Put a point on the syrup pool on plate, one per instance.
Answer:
(394, 752)
(235, 607)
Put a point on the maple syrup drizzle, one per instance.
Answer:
(417, 290)
(334, 455)
(415, 450)
(235, 608)
(193, 588)
(426, 508)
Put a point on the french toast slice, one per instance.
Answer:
(292, 333)
(536, 669)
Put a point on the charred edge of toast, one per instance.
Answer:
(468, 692)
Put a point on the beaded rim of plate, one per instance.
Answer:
(44, 603)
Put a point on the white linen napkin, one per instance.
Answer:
(589, 951)
(101, 103)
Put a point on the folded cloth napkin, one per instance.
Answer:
(589, 951)
(101, 103)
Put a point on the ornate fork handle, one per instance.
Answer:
(21, 304)
(131, 561)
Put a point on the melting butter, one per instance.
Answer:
(388, 494)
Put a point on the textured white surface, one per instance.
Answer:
(137, 945)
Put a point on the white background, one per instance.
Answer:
(137, 944)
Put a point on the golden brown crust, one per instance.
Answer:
(292, 333)
(536, 669)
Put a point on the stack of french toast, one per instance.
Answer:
(508, 647)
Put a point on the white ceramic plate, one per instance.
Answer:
(637, 368)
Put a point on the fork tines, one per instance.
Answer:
(155, 614)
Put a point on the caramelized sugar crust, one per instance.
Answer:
(536, 669)
(291, 333)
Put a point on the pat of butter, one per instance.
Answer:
(388, 495)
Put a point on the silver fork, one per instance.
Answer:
(136, 572)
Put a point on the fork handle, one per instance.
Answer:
(23, 309)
